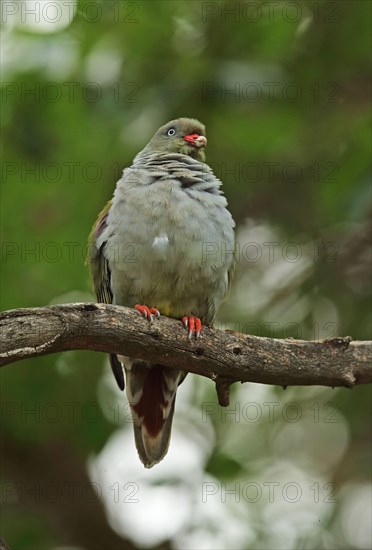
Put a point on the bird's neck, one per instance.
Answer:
(146, 153)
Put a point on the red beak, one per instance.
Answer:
(196, 140)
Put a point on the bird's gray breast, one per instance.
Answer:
(169, 236)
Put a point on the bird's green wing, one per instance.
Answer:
(231, 271)
(101, 276)
(96, 260)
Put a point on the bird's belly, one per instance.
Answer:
(174, 255)
(163, 273)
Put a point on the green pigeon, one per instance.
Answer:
(164, 243)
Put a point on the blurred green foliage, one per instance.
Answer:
(284, 90)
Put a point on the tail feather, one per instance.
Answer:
(151, 391)
(152, 449)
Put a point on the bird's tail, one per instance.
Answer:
(151, 391)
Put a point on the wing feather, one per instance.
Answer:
(101, 276)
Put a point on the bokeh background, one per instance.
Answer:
(284, 90)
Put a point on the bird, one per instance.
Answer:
(164, 245)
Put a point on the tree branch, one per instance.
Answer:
(3, 545)
(223, 356)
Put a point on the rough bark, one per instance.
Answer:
(223, 356)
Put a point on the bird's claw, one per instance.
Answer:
(147, 312)
(193, 324)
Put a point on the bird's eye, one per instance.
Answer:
(171, 132)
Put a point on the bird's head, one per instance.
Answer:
(183, 135)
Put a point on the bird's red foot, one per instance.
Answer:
(193, 324)
(148, 312)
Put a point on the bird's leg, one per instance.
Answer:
(193, 324)
(148, 312)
